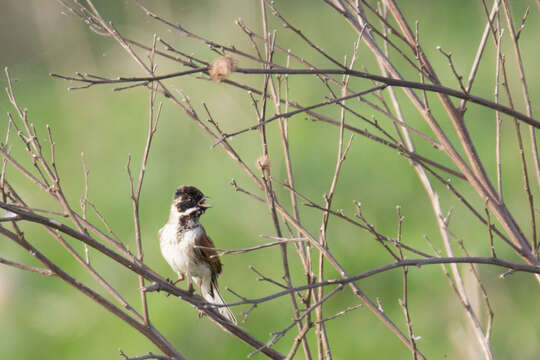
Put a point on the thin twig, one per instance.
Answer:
(41, 271)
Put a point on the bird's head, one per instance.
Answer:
(190, 200)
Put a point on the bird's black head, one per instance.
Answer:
(189, 197)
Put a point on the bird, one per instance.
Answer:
(189, 250)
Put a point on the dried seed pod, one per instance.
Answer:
(263, 163)
(222, 67)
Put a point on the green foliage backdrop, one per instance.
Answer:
(44, 318)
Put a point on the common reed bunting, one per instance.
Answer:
(188, 249)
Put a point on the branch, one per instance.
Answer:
(398, 264)
(45, 272)
(386, 80)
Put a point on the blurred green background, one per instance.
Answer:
(45, 318)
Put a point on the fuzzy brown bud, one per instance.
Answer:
(222, 67)
(263, 163)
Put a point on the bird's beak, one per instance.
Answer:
(203, 204)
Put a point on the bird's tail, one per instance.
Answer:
(210, 293)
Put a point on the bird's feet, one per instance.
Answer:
(181, 277)
(190, 289)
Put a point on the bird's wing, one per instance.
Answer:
(207, 253)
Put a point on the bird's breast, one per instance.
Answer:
(178, 249)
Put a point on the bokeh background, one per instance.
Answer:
(45, 318)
